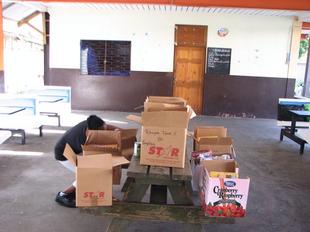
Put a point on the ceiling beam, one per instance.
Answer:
(8, 6)
(257, 4)
(6, 18)
(34, 28)
(28, 18)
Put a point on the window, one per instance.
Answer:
(105, 57)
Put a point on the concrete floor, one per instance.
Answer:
(278, 198)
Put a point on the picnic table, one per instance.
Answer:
(50, 100)
(159, 179)
(9, 110)
(289, 132)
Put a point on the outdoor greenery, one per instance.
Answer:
(303, 48)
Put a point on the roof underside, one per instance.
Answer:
(19, 10)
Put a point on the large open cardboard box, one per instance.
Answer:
(94, 177)
(163, 138)
(223, 197)
(164, 130)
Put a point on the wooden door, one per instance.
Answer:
(189, 64)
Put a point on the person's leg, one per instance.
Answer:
(67, 197)
(67, 164)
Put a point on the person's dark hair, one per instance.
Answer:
(94, 122)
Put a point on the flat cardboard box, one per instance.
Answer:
(163, 139)
(94, 177)
(223, 197)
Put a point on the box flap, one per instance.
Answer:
(191, 112)
(165, 99)
(219, 165)
(219, 149)
(103, 137)
(165, 119)
(218, 131)
(134, 118)
(157, 106)
(95, 149)
(119, 160)
(127, 152)
(70, 155)
(95, 161)
(215, 140)
(128, 133)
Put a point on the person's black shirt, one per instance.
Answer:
(75, 137)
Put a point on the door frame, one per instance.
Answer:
(202, 100)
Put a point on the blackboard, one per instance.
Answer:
(218, 60)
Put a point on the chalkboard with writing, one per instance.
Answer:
(219, 60)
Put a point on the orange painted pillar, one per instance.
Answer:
(1, 39)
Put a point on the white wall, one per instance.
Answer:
(259, 43)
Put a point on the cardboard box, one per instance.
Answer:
(104, 137)
(164, 130)
(117, 142)
(214, 139)
(202, 133)
(217, 145)
(116, 171)
(223, 197)
(94, 177)
(163, 139)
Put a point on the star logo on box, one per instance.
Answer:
(93, 195)
(162, 151)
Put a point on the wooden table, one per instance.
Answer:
(160, 179)
(290, 131)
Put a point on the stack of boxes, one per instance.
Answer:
(100, 164)
(164, 131)
(216, 176)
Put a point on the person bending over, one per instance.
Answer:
(75, 137)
